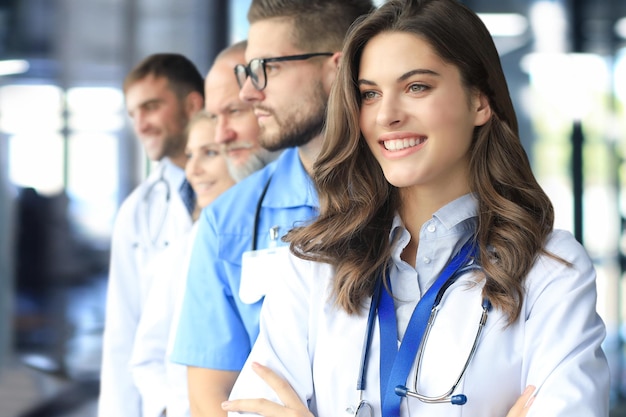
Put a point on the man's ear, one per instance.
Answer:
(194, 102)
(331, 67)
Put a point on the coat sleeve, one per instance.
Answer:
(286, 336)
(118, 395)
(149, 350)
(211, 332)
(564, 334)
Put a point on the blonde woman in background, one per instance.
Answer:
(163, 384)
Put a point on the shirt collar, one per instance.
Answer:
(450, 215)
(457, 211)
(290, 184)
(171, 172)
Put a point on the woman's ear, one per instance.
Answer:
(482, 108)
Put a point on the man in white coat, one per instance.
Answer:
(162, 93)
(234, 129)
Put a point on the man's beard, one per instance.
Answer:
(256, 160)
(175, 143)
(174, 146)
(293, 132)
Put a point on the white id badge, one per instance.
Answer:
(259, 271)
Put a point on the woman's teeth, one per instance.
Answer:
(399, 144)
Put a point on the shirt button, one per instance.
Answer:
(431, 228)
(426, 260)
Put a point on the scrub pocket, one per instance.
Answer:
(259, 272)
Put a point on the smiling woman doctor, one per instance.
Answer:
(427, 199)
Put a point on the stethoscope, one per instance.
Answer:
(364, 409)
(152, 191)
(257, 215)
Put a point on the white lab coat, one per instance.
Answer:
(163, 384)
(555, 345)
(129, 281)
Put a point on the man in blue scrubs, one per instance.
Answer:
(293, 54)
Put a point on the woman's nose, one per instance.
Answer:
(193, 167)
(389, 112)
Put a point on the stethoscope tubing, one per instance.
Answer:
(459, 399)
(360, 386)
(257, 214)
(145, 228)
(402, 390)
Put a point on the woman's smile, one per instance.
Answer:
(400, 144)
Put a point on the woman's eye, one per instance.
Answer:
(368, 95)
(211, 152)
(417, 88)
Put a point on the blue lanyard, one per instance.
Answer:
(395, 364)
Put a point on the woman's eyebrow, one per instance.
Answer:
(411, 73)
(403, 77)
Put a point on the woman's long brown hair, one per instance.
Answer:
(357, 204)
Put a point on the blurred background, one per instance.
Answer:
(68, 158)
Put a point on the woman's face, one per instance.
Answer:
(206, 168)
(416, 116)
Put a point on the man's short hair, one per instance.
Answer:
(182, 75)
(319, 25)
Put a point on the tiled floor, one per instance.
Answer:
(24, 392)
(619, 411)
(18, 389)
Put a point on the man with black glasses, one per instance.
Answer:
(293, 52)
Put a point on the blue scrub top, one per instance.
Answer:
(216, 329)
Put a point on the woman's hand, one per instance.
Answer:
(523, 403)
(293, 406)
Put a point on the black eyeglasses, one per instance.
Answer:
(256, 68)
